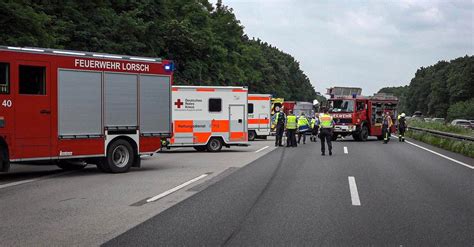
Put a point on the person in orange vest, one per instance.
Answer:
(326, 125)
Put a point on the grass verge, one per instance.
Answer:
(463, 147)
(442, 127)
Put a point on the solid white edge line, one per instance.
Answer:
(441, 155)
(157, 197)
(261, 149)
(345, 150)
(354, 193)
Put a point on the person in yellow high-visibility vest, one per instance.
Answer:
(326, 125)
(291, 126)
(303, 126)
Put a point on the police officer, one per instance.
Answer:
(326, 125)
(314, 128)
(402, 126)
(386, 125)
(291, 126)
(279, 121)
(303, 126)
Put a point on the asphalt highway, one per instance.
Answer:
(365, 194)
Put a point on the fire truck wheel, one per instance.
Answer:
(120, 156)
(364, 133)
(252, 135)
(71, 165)
(4, 159)
(214, 145)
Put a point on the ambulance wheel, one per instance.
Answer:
(200, 148)
(120, 157)
(214, 145)
(364, 134)
(71, 165)
(252, 135)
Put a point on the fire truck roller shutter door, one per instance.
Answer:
(120, 100)
(79, 101)
(155, 104)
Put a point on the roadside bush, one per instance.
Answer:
(461, 110)
(441, 127)
(463, 147)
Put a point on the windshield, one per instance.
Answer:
(342, 106)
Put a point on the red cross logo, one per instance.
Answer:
(178, 103)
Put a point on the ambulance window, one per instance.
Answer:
(215, 105)
(250, 108)
(32, 80)
(4, 78)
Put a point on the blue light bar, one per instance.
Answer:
(169, 67)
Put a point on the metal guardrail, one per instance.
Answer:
(444, 134)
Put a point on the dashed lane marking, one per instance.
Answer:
(354, 193)
(345, 150)
(3, 186)
(261, 149)
(168, 192)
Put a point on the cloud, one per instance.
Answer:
(370, 43)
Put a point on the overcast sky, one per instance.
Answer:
(368, 44)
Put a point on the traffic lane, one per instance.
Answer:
(308, 201)
(211, 216)
(410, 196)
(56, 210)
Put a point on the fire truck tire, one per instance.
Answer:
(120, 157)
(214, 145)
(356, 137)
(252, 135)
(200, 148)
(364, 133)
(71, 165)
(4, 159)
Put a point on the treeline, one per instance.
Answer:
(445, 89)
(207, 43)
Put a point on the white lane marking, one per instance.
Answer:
(2, 186)
(345, 150)
(441, 155)
(261, 149)
(157, 197)
(354, 193)
(17, 183)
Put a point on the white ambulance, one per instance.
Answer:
(207, 118)
(259, 114)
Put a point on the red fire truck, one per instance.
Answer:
(74, 108)
(361, 116)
